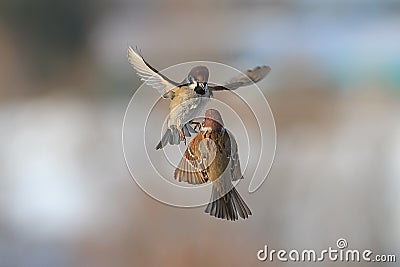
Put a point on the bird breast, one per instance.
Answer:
(186, 106)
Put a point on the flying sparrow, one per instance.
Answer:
(188, 98)
(212, 155)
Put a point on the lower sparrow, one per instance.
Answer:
(212, 155)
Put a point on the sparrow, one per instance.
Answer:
(189, 97)
(212, 156)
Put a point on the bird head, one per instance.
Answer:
(213, 120)
(198, 76)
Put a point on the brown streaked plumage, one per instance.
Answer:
(212, 155)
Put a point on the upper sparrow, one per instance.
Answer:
(189, 97)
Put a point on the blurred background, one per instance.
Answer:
(66, 197)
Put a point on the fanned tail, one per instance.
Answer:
(173, 136)
(228, 206)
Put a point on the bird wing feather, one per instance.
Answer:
(150, 75)
(235, 169)
(192, 167)
(248, 78)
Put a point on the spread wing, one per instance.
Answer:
(148, 74)
(192, 167)
(248, 78)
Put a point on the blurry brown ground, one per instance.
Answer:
(66, 197)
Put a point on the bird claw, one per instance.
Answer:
(197, 125)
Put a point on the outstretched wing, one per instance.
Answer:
(192, 168)
(148, 74)
(248, 78)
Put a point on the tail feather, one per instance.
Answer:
(165, 139)
(171, 136)
(228, 206)
(175, 137)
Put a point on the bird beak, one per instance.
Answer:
(203, 84)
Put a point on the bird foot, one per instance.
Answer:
(197, 125)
